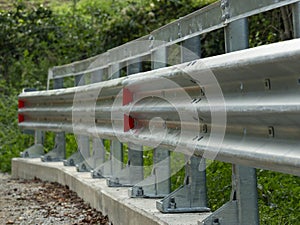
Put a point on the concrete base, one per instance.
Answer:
(113, 202)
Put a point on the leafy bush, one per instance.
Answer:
(34, 37)
(12, 141)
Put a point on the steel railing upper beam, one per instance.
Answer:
(212, 17)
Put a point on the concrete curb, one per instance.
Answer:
(113, 202)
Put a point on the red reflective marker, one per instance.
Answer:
(21, 104)
(21, 118)
(128, 123)
(127, 96)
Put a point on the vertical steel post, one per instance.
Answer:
(77, 157)
(102, 169)
(237, 35)
(191, 49)
(244, 178)
(59, 151)
(134, 171)
(98, 144)
(158, 184)
(243, 207)
(296, 19)
(191, 196)
(116, 148)
(38, 137)
(135, 152)
(162, 172)
(83, 141)
(97, 76)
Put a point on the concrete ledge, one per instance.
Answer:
(113, 202)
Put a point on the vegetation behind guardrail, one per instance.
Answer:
(32, 39)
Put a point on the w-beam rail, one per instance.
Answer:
(259, 104)
(241, 107)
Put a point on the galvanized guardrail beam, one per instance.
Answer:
(261, 107)
(240, 108)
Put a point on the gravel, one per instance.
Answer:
(38, 202)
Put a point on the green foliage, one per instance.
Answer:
(12, 141)
(279, 198)
(34, 37)
(26, 39)
(270, 27)
(218, 183)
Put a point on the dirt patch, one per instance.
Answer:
(37, 202)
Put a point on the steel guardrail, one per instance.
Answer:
(240, 107)
(260, 88)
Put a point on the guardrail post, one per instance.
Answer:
(134, 171)
(116, 148)
(59, 151)
(98, 152)
(84, 149)
(163, 171)
(102, 169)
(158, 184)
(242, 209)
(296, 19)
(191, 196)
(84, 163)
(98, 144)
(77, 157)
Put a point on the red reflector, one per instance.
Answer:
(127, 96)
(21, 118)
(21, 104)
(128, 123)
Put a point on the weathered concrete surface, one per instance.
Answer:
(113, 202)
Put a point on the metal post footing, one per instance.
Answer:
(133, 172)
(191, 197)
(35, 151)
(59, 152)
(74, 159)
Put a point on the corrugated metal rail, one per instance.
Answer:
(241, 107)
(260, 107)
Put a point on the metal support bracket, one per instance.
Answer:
(146, 189)
(133, 172)
(74, 159)
(89, 161)
(85, 166)
(191, 197)
(102, 171)
(37, 150)
(243, 207)
(59, 152)
(226, 215)
(99, 159)
(157, 185)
